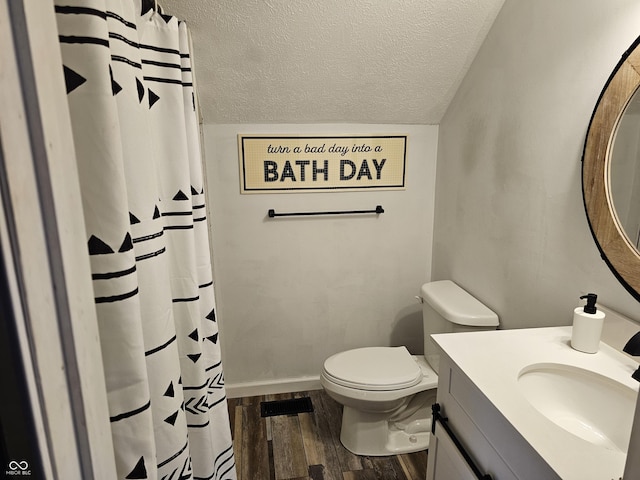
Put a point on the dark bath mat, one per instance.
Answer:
(286, 407)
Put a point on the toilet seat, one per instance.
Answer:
(373, 368)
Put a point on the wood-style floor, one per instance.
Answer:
(306, 446)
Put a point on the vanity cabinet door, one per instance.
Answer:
(445, 461)
(492, 443)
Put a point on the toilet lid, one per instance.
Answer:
(374, 368)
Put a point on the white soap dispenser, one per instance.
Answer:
(587, 326)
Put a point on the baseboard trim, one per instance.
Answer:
(287, 385)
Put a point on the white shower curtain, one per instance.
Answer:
(133, 109)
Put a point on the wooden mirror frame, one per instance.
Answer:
(617, 251)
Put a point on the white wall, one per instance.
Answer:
(510, 224)
(292, 291)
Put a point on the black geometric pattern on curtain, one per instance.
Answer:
(132, 102)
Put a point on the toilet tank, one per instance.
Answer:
(447, 308)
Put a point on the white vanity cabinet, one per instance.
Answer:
(489, 441)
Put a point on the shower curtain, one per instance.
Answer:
(133, 108)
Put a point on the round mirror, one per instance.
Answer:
(607, 184)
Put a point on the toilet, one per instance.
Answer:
(386, 392)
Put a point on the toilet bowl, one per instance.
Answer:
(386, 392)
(386, 395)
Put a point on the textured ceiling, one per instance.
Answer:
(338, 61)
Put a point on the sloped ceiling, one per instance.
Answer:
(337, 61)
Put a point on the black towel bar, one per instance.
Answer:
(378, 210)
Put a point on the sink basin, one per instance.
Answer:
(584, 403)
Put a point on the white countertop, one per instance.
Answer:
(493, 360)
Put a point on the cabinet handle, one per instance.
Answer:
(438, 417)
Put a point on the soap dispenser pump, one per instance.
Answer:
(587, 325)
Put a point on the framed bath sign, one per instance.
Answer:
(318, 163)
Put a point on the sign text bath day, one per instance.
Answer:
(293, 163)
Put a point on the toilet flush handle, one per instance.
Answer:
(419, 298)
